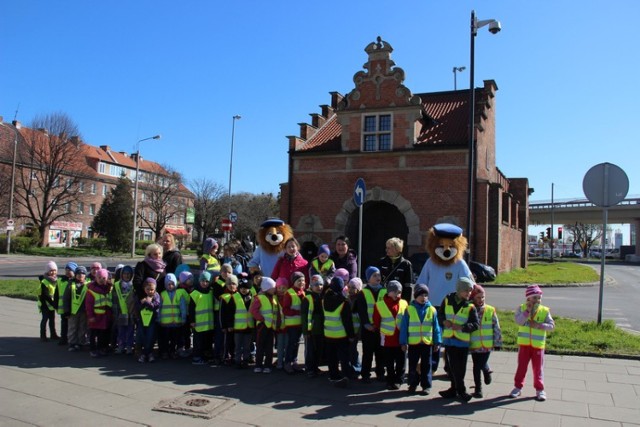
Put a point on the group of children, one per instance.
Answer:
(236, 320)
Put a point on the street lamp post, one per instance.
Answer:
(13, 185)
(135, 194)
(233, 131)
(494, 28)
(455, 79)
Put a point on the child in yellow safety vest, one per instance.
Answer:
(242, 326)
(264, 310)
(322, 264)
(227, 319)
(312, 326)
(458, 319)
(185, 280)
(63, 282)
(282, 286)
(149, 309)
(372, 292)
(487, 337)
(534, 320)
(46, 303)
(338, 332)
(74, 309)
(354, 287)
(201, 318)
(420, 337)
(291, 310)
(173, 315)
(386, 318)
(123, 317)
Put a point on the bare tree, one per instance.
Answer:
(209, 205)
(51, 164)
(584, 235)
(252, 210)
(161, 200)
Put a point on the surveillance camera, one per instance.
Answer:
(494, 27)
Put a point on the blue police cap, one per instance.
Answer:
(450, 231)
(272, 222)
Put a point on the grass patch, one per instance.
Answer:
(577, 337)
(20, 288)
(549, 274)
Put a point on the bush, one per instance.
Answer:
(89, 243)
(21, 243)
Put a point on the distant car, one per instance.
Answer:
(570, 254)
(612, 254)
(484, 273)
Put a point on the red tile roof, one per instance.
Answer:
(446, 117)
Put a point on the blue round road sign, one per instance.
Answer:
(359, 192)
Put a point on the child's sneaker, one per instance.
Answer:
(198, 361)
(142, 359)
(516, 392)
(266, 371)
(257, 370)
(541, 395)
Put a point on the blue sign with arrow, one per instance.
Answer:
(359, 192)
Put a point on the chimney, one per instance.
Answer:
(317, 120)
(326, 111)
(335, 99)
(17, 124)
(124, 153)
(105, 148)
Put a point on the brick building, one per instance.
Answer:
(94, 171)
(412, 151)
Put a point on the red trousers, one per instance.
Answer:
(528, 354)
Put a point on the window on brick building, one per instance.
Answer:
(92, 209)
(101, 167)
(80, 207)
(81, 186)
(93, 188)
(104, 189)
(376, 132)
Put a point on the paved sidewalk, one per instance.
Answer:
(43, 384)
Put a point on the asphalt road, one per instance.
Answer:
(621, 293)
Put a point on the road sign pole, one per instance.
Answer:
(360, 243)
(605, 217)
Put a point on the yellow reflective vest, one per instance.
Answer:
(242, 320)
(483, 336)
(371, 302)
(170, 309)
(333, 326)
(77, 300)
(268, 310)
(389, 324)
(533, 337)
(101, 302)
(460, 318)
(122, 297)
(62, 286)
(50, 289)
(204, 311)
(296, 304)
(420, 332)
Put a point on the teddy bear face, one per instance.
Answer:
(446, 249)
(272, 237)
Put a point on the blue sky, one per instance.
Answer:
(126, 70)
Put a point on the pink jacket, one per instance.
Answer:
(97, 320)
(286, 266)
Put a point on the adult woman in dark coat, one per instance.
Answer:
(171, 256)
(151, 266)
(343, 257)
(395, 267)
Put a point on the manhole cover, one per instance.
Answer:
(196, 405)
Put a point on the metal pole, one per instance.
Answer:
(135, 202)
(551, 231)
(227, 233)
(472, 102)
(13, 185)
(605, 217)
(455, 79)
(360, 240)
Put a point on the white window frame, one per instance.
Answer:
(376, 134)
(92, 209)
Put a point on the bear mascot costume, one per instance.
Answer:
(446, 246)
(271, 238)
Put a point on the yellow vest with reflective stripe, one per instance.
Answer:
(460, 318)
(212, 262)
(483, 336)
(389, 324)
(122, 297)
(204, 311)
(101, 302)
(333, 327)
(296, 303)
(368, 297)
(420, 332)
(529, 336)
(309, 298)
(322, 269)
(62, 286)
(170, 309)
(242, 320)
(216, 301)
(51, 289)
(268, 307)
(77, 300)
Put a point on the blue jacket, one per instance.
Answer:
(422, 311)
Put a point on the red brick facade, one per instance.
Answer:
(419, 178)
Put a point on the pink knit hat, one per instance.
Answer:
(477, 289)
(103, 273)
(533, 290)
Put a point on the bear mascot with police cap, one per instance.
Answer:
(446, 246)
(271, 238)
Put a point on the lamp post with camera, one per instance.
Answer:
(455, 79)
(494, 28)
(10, 223)
(135, 193)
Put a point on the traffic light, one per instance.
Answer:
(548, 232)
(542, 235)
(559, 233)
